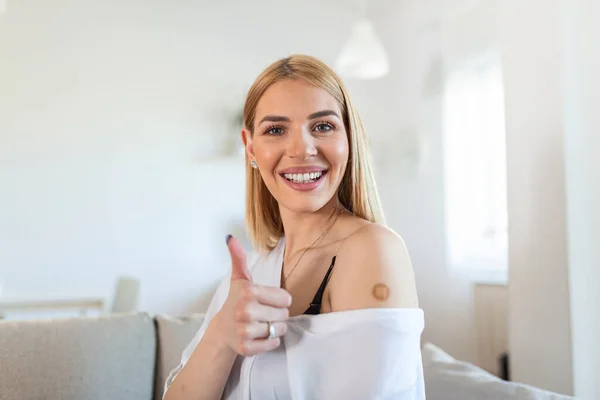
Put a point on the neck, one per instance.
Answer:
(302, 229)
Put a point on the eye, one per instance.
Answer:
(323, 127)
(274, 130)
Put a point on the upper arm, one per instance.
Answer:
(373, 270)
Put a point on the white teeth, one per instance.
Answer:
(303, 178)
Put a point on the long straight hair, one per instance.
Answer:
(357, 191)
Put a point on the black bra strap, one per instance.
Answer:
(315, 304)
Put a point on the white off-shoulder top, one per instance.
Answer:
(359, 354)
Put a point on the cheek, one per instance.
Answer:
(266, 156)
(337, 152)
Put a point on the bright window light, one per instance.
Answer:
(475, 169)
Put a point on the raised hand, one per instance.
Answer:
(249, 308)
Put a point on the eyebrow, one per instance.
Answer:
(315, 115)
(274, 118)
(324, 113)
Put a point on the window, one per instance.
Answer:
(475, 168)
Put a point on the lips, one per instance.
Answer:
(305, 178)
(304, 182)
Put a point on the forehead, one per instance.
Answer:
(295, 98)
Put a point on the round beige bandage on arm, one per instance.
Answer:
(381, 291)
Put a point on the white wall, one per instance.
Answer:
(581, 88)
(107, 111)
(414, 197)
(539, 336)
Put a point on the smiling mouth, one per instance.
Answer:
(307, 177)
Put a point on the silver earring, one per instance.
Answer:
(253, 164)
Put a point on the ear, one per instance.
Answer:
(247, 140)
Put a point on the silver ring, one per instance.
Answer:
(271, 330)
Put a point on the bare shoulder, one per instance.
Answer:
(373, 270)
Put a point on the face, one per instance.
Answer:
(300, 145)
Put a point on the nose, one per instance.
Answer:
(301, 145)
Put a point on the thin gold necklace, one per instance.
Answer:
(313, 243)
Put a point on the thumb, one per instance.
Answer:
(239, 267)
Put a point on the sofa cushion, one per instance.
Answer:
(449, 379)
(174, 334)
(97, 358)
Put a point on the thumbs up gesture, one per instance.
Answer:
(251, 312)
(239, 266)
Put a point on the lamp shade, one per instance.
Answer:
(363, 55)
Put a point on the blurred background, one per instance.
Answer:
(121, 170)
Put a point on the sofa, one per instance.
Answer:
(125, 356)
(129, 356)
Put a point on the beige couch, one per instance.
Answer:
(113, 357)
(130, 356)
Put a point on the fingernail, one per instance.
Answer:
(227, 239)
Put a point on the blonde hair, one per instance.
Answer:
(357, 191)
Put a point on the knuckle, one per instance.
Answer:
(247, 348)
(243, 347)
(250, 292)
(241, 330)
(242, 313)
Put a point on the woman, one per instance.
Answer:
(329, 311)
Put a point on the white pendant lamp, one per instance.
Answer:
(363, 55)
